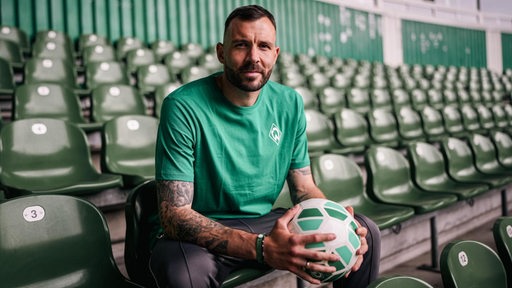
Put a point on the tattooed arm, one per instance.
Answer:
(302, 186)
(181, 222)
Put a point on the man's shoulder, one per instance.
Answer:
(196, 87)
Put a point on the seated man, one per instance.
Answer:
(226, 144)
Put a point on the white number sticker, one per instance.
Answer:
(463, 258)
(33, 213)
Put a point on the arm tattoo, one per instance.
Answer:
(185, 224)
(298, 194)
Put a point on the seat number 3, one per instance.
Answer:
(33, 213)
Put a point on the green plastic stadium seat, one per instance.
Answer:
(450, 97)
(502, 234)
(400, 98)
(53, 49)
(7, 82)
(129, 148)
(358, 99)
(463, 97)
(162, 48)
(351, 132)
(318, 81)
(176, 62)
(341, 80)
(409, 124)
(380, 98)
(390, 181)
(470, 118)
(485, 117)
(319, 131)
(63, 241)
(11, 52)
(452, 120)
(429, 173)
(151, 76)
(54, 36)
(110, 101)
(331, 100)
(91, 39)
(139, 57)
(485, 155)
(466, 263)
(16, 35)
(503, 143)
(500, 117)
(105, 72)
(48, 101)
(193, 73)
(193, 50)
(341, 180)
(399, 281)
(49, 156)
(98, 53)
(125, 44)
(209, 61)
(461, 167)
(161, 92)
(383, 127)
(141, 223)
(432, 123)
(48, 70)
(435, 98)
(308, 96)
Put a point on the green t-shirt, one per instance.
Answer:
(237, 157)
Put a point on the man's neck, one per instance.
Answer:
(234, 95)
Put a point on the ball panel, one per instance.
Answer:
(310, 212)
(309, 224)
(336, 214)
(354, 240)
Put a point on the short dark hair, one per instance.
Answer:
(249, 13)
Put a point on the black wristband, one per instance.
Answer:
(260, 243)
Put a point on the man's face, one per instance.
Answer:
(248, 53)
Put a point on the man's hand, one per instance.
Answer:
(361, 231)
(286, 251)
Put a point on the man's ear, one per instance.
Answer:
(220, 52)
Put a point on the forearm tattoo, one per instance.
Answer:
(186, 224)
(298, 194)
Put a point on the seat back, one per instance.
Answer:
(129, 148)
(193, 73)
(125, 44)
(7, 80)
(63, 241)
(308, 97)
(499, 116)
(428, 164)
(484, 152)
(502, 234)
(98, 53)
(503, 143)
(432, 123)
(48, 70)
(53, 49)
(418, 98)
(162, 48)
(452, 120)
(469, 118)
(435, 98)
(466, 263)
(139, 57)
(42, 154)
(91, 39)
(409, 124)
(331, 100)
(459, 157)
(151, 76)
(358, 99)
(112, 100)
(399, 282)
(380, 98)
(11, 52)
(383, 127)
(176, 61)
(485, 117)
(400, 98)
(161, 92)
(319, 131)
(106, 72)
(15, 35)
(351, 129)
(47, 101)
(332, 171)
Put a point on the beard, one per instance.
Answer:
(235, 77)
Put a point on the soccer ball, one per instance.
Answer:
(325, 216)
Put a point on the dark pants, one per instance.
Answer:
(181, 264)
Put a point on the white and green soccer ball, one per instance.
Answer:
(326, 216)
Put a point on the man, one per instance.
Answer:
(226, 144)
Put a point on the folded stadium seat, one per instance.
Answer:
(112, 100)
(418, 99)
(429, 173)
(162, 48)
(320, 132)
(341, 180)
(91, 39)
(308, 96)
(63, 241)
(49, 156)
(176, 62)
(7, 82)
(503, 240)
(12, 52)
(500, 117)
(379, 82)
(292, 78)
(467, 263)
(48, 70)
(400, 97)
(151, 76)
(98, 53)
(193, 50)
(503, 143)
(58, 37)
(129, 148)
(470, 119)
(435, 98)
(487, 98)
(331, 100)
(461, 164)
(476, 98)
(358, 99)
(402, 281)
(383, 127)
(463, 97)
(318, 81)
(209, 61)
(380, 98)
(485, 156)
(342, 80)
(351, 132)
(125, 44)
(106, 72)
(139, 57)
(193, 73)
(16, 35)
(449, 97)
(160, 93)
(142, 224)
(362, 80)
(452, 120)
(47, 48)
(409, 125)
(48, 101)
(485, 118)
(432, 123)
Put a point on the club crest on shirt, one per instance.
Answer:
(275, 134)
